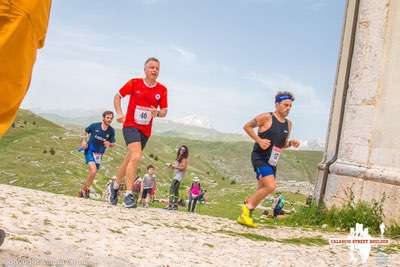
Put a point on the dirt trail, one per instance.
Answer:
(45, 229)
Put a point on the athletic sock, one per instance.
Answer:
(251, 208)
(251, 212)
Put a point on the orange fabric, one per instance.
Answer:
(23, 27)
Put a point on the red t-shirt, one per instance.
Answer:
(142, 97)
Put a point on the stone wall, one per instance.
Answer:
(368, 160)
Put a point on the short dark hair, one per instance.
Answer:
(108, 112)
(152, 59)
(150, 167)
(286, 94)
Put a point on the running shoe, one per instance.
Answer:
(112, 194)
(245, 217)
(84, 193)
(129, 201)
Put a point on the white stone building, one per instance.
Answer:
(363, 141)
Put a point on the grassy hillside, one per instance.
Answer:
(166, 127)
(162, 127)
(25, 160)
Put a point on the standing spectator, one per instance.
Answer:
(194, 194)
(147, 185)
(179, 168)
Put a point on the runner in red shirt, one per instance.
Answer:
(148, 99)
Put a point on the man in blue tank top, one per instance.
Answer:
(102, 136)
(272, 136)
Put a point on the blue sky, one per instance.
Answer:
(222, 60)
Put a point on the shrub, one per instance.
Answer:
(393, 231)
(344, 217)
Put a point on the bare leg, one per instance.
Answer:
(122, 169)
(135, 154)
(90, 177)
(266, 185)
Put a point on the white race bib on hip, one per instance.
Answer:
(142, 115)
(275, 153)
(97, 157)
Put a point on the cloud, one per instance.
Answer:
(152, 2)
(185, 54)
(307, 99)
(312, 4)
(318, 4)
(262, 1)
(64, 41)
(227, 107)
(309, 105)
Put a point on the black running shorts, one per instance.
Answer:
(132, 135)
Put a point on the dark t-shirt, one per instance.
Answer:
(98, 136)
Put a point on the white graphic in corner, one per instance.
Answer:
(358, 236)
(360, 242)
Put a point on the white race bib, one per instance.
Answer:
(97, 157)
(142, 115)
(275, 153)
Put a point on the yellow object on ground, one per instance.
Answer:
(23, 27)
(245, 217)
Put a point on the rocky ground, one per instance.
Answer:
(45, 229)
(304, 188)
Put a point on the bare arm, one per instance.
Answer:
(118, 109)
(248, 128)
(257, 122)
(162, 113)
(107, 144)
(182, 165)
(158, 113)
(84, 138)
(287, 143)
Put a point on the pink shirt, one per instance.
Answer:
(195, 189)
